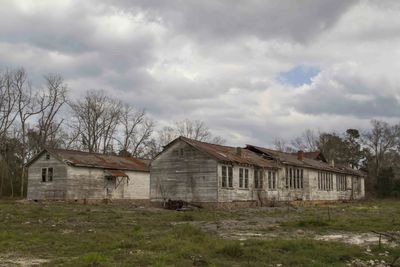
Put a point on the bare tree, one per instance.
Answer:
(308, 141)
(196, 130)
(281, 145)
(380, 140)
(8, 103)
(51, 100)
(95, 120)
(28, 106)
(136, 132)
(166, 135)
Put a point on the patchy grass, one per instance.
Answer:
(111, 235)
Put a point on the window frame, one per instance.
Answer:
(46, 177)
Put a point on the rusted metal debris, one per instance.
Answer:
(179, 205)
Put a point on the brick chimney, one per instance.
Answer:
(239, 151)
(300, 155)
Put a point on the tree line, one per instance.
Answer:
(33, 118)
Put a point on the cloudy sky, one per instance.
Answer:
(252, 70)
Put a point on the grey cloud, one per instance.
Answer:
(294, 20)
(351, 95)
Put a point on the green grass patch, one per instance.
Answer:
(110, 235)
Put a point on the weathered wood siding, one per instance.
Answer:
(49, 190)
(191, 176)
(82, 183)
(90, 183)
(138, 186)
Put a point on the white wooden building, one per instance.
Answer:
(75, 175)
(212, 174)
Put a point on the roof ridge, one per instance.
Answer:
(190, 139)
(92, 153)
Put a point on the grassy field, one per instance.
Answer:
(61, 234)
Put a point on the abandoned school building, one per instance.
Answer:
(74, 175)
(210, 174)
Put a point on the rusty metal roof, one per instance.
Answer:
(230, 154)
(307, 162)
(96, 160)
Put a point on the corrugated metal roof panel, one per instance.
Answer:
(231, 154)
(96, 160)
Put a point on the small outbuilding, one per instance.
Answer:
(59, 174)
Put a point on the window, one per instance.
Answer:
(44, 174)
(287, 178)
(240, 177)
(230, 176)
(269, 180)
(243, 178)
(258, 179)
(294, 178)
(47, 156)
(246, 178)
(47, 175)
(181, 153)
(272, 180)
(341, 183)
(224, 176)
(325, 181)
(227, 177)
(50, 174)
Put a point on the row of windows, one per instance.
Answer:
(341, 183)
(47, 175)
(294, 178)
(325, 181)
(227, 178)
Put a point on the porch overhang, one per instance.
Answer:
(115, 173)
